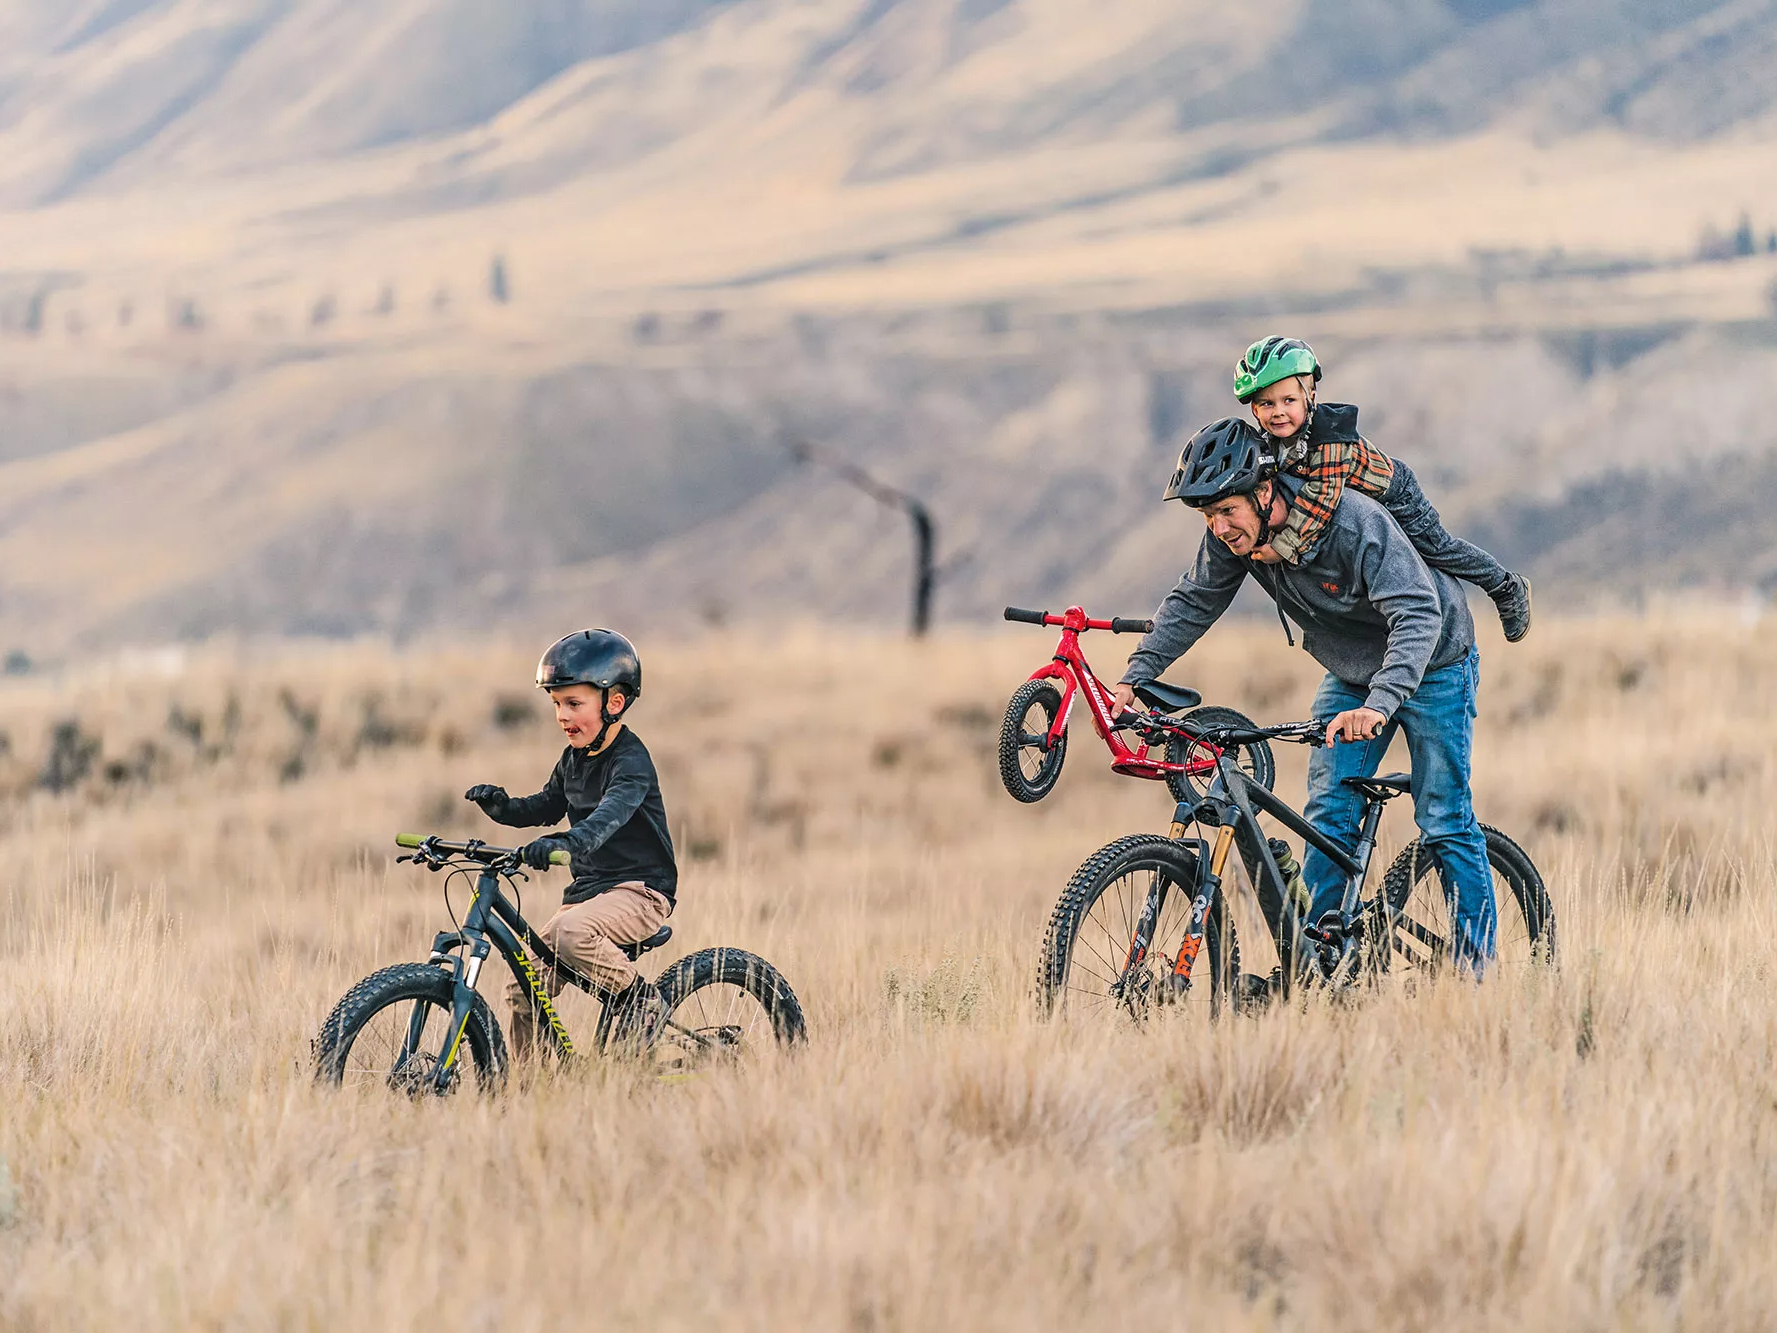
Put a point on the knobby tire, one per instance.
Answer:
(1043, 696)
(1216, 967)
(402, 985)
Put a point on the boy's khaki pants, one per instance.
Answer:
(587, 937)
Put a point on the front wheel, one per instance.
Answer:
(392, 1030)
(1255, 760)
(1088, 964)
(720, 1004)
(1029, 765)
(1418, 930)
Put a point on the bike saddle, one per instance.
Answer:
(1168, 698)
(1384, 788)
(654, 941)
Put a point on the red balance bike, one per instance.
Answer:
(1164, 744)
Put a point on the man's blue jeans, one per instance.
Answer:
(1439, 722)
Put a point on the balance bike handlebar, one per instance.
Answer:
(1079, 621)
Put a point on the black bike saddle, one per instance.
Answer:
(1167, 698)
(654, 941)
(1384, 788)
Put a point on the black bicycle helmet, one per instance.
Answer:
(601, 658)
(1227, 457)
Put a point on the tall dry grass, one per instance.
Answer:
(1591, 1148)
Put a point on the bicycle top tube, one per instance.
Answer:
(1076, 619)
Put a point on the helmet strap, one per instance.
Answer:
(1264, 513)
(606, 719)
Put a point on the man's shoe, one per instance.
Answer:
(1513, 600)
(1253, 992)
(639, 1014)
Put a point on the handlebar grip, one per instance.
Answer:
(1028, 617)
(1120, 625)
(409, 839)
(558, 858)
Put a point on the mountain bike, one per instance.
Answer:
(408, 1026)
(1033, 734)
(1145, 922)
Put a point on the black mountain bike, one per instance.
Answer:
(1144, 923)
(409, 1026)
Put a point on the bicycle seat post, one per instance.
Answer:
(1365, 849)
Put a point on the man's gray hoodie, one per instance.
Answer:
(1370, 611)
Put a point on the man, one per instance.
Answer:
(1394, 636)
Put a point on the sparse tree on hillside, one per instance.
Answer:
(183, 313)
(925, 532)
(1743, 242)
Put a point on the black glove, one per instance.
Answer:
(489, 797)
(536, 854)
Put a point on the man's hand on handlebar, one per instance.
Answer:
(1355, 724)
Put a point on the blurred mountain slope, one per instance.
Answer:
(145, 90)
(338, 317)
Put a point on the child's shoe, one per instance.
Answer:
(1513, 600)
(640, 1012)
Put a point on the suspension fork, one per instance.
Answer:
(1207, 887)
(475, 920)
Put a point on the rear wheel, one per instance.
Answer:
(390, 1030)
(1086, 953)
(1028, 765)
(1255, 760)
(720, 1004)
(1417, 933)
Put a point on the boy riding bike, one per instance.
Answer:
(1320, 444)
(621, 854)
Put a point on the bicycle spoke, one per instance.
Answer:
(1097, 964)
(716, 1021)
(1423, 932)
(1436, 943)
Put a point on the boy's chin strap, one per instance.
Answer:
(606, 718)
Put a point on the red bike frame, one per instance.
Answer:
(1069, 666)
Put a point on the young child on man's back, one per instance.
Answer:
(621, 854)
(1320, 442)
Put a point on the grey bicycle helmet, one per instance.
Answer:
(601, 658)
(1227, 457)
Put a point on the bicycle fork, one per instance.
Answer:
(464, 973)
(1179, 980)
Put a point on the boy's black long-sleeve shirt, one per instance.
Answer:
(618, 830)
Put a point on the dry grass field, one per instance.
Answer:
(1593, 1148)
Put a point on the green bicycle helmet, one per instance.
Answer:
(1227, 457)
(1270, 360)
